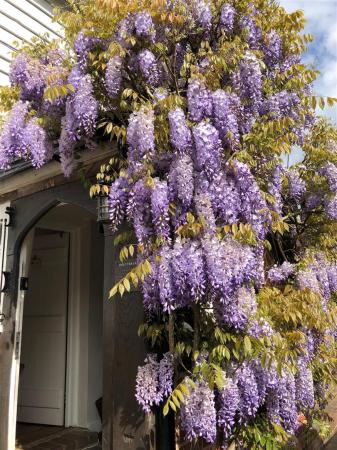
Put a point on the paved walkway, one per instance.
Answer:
(39, 437)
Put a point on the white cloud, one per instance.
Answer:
(321, 18)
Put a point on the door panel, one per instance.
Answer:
(43, 356)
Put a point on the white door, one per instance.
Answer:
(44, 332)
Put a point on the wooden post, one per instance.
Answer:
(125, 427)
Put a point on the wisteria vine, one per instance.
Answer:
(234, 257)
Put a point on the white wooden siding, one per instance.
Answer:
(20, 20)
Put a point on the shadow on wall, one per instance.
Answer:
(130, 422)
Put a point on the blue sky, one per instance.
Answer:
(321, 18)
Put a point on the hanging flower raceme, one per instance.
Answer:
(248, 81)
(237, 311)
(198, 414)
(139, 211)
(225, 198)
(149, 68)
(273, 49)
(12, 142)
(113, 76)
(84, 44)
(85, 107)
(329, 171)
(144, 26)
(160, 209)
(229, 401)
(330, 206)
(167, 294)
(150, 290)
(248, 393)
(207, 148)
(274, 188)
(278, 274)
(229, 264)
(296, 185)
(227, 17)
(188, 272)
(37, 143)
(304, 385)
(180, 134)
(225, 108)
(253, 207)
(118, 200)
(181, 180)
(199, 100)
(68, 139)
(140, 136)
(27, 73)
(154, 380)
(202, 14)
(147, 384)
(251, 32)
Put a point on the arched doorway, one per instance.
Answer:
(61, 324)
(124, 425)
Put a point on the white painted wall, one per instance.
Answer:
(20, 20)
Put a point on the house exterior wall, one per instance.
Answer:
(21, 20)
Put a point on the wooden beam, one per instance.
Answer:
(31, 180)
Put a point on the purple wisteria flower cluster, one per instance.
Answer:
(154, 380)
(246, 389)
(75, 114)
(320, 276)
(329, 172)
(278, 274)
(198, 414)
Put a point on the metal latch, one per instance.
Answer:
(23, 284)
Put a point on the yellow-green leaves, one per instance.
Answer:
(178, 395)
(126, 252)
(53, 92)
(192, 227)
(153, 333)
(136, 275)
(8, 96)
(315, 101)
(242, 232)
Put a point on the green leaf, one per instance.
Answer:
(184, 388)
(121, 289)
(126, 283)
(247, 345)
(179, 395)
(175, 400)
(113, 291)
(166, 409)
(172, 405)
